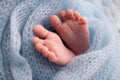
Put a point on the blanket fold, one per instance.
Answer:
(19, 59)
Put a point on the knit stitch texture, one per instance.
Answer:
(19, 59)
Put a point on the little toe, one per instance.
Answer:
(63, 15)
(41, 31)
(83, 20)
(69, 14)
(77, 15)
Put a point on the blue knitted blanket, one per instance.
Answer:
(19, 59)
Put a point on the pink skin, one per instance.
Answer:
(73, 30)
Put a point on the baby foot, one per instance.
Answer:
(51, 46)
(74, 30)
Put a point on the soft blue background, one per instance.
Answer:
(20, 61)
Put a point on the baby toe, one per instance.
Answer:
(77, 15)
(69, 13)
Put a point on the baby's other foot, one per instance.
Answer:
(51, 46)
(73, 30)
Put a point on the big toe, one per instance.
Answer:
(55, 21)
(60, 27)
(41, 31)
